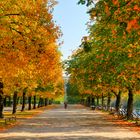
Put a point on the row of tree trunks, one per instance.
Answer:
(3, 101)
(42, 102)
(90, 100)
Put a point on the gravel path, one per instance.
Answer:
(74, 123)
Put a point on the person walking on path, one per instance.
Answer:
(65, 105)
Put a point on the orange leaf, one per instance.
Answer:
(107, 10)
(129, 55)
(132, 24)
(115, 2)
(136, 8)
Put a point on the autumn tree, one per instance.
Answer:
(29, 55)
(110, 54)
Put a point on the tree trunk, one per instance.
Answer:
(88, 101)
(49, 101)
(23, 100)
(18, 99)
(118, 101)
(39, 102)
(1, 100)
(34, 107)
(29, 102)
(102, 101)
(97, 101)
(82, 101)
(108, 101)
(9, 101)
(14, 102)
(46, 101)
(130, 104)
(42, 102)
(1, 105)
(93, 101)
(5, 102)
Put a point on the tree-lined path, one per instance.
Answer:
(75, 123)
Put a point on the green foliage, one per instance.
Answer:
(110, 56)
(72, 94)
(56, 102)
(59, 99)
(73, 100)
(86, 46)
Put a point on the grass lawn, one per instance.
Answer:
(27, 114)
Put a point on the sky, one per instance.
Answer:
(72, 19)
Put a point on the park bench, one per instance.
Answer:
(136, 116)
(93, 107)
(112, 111)
(9, 118)
(122, 113)
(99, 107)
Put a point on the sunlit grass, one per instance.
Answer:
(21, 115)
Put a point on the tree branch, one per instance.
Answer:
(6, 15)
